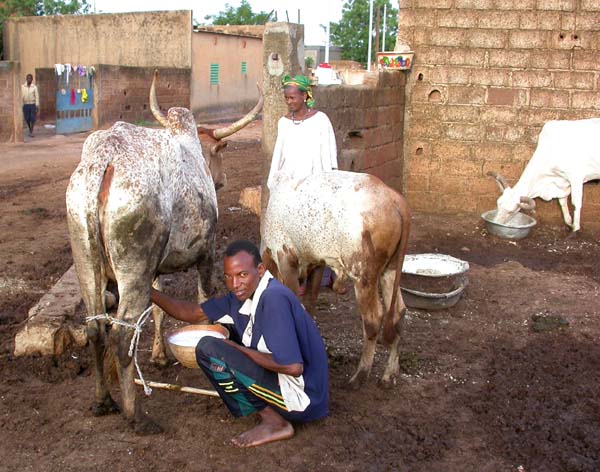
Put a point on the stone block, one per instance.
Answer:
(458, 203)
(494, 114)
(416, 182)
(474, 4)
(590, 5)
(528, 79)
(426, 202)
(574, 80)
(466, 95)
(560, 5)
(583, 100)
(505, 96)
(464, 113)
(488, 39)
(549, 98)
(585, 60)
(458, 19)
(448, 37)
(528, 39)
(451, 150)
(510, 58)
(495, 77)
(549, 59)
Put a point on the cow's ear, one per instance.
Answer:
(218, 147)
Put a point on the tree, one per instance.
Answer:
(351, 33)
(242, 15)
(10, 8)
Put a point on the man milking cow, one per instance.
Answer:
(274, 365)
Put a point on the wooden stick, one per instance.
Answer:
(178, 388)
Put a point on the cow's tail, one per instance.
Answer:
(391, 327)
(84, 227)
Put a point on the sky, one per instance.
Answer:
(312, 12)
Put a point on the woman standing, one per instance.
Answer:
(305, 144)
(305, 140)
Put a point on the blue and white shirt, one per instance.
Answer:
(273, 321)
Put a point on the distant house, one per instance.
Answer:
(317, 54)
(212, 70)
(226, 66)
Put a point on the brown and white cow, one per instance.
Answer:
(142, 202)
(359, 227)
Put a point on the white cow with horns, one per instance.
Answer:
(142, 202)
(359, 227)
(567, 156)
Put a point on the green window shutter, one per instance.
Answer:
(244, 68)
(214, 74)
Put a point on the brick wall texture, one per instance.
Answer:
(11, 121)
(368, 121)
(486, 77)
(121, 93)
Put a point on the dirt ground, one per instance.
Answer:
(507, 379)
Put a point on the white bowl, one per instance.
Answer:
(517, 228)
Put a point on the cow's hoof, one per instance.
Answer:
(146, 427)
(107, 407)
(387, 384)
(358, 380)
(161, 362)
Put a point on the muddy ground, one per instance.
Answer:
(483, 387)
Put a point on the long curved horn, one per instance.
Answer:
(238, 125)
(154, 103)
(499, 180)
(527, 203)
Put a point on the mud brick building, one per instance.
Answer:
(487, 75)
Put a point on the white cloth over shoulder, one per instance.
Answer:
(303, 148)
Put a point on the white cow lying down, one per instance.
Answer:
(566, 157)
(354, 224)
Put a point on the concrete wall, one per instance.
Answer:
(11, 116)
(236, 91)
(160, 39)
(369, 124)
(486, 77)
(121, 93)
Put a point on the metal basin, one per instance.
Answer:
(517, 228)
(433, 281)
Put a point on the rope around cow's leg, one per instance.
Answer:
(133, 347)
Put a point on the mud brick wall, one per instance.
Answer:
(121, 93)
(11, 117)
(368, 121)
(487, 75)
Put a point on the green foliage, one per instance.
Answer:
(243, 15)
(10, 8)
(351, 33)
(309, 62)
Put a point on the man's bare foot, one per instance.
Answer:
(272, 427)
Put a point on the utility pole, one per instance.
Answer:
(384, 22)
(377, 28)
(370, 35)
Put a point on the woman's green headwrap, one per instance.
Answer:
(303, 84)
